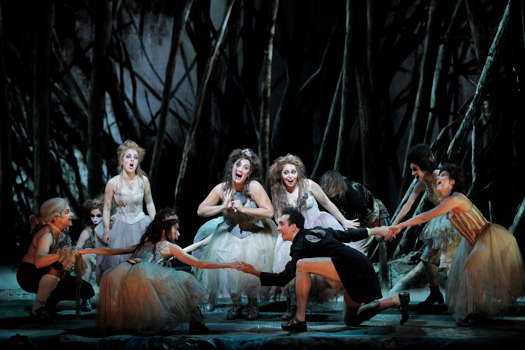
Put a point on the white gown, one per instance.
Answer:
(486, 275)
(236, 238)
(129, 224)
(147, 296)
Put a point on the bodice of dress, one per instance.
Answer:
(133, 197)
(470, 224)
(234, 218)
(152, 254)
(242, 225)
(313, 216)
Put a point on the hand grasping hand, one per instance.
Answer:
(348, 224)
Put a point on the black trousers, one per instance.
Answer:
(28, 277)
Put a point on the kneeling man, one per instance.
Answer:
(321, 251)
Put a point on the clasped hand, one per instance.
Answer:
(244, 267)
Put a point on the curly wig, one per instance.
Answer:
(235, 155)
(277, 187)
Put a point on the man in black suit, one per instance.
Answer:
(321, 251)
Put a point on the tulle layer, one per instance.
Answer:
(485, 277)
(146, 296)
(122, 235)
(255, 249)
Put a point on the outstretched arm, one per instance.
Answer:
(450, 203)
(408, 204)
(182, 256)
(323, 199)
(107, 251)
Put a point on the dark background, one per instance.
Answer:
(347, 85)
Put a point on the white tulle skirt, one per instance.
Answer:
(255, 249)
(485, 277)
(147, 297)
(122, 235)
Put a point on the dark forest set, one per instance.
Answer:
(346, 85)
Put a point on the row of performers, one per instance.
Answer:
(241, 250)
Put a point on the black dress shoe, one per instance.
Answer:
(404, 300)
(435, 297)
(42, 315)
(350, 317)
(294, 326)
(369, 310)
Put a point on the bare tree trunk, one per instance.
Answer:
(97, 103)
(266, 93)
(456, 145)
(344, 90)
(178, 27)
(327, 127)
(416, 128)
(203, 87)
(440, 73)
(44, 17)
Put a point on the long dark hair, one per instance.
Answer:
(422, 156)
(163, 221)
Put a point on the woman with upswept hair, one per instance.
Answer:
(290, 187)
(129, 190)
(244, 232)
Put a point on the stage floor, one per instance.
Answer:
(431, 328)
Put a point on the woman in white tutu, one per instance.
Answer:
(245, 232)
(290, 187)
(486, 275)
(142, 295)
(439, 236)
(129, 191)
